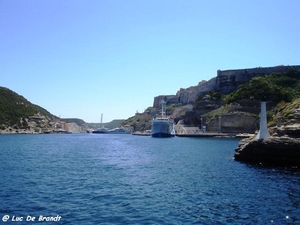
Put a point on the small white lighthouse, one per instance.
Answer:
(263, 129)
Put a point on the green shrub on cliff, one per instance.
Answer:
(215, 95)
(139, 122)
(273, 87)
(15, 108)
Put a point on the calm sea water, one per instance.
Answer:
(126, 179)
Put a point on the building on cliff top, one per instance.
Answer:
(229, 80)
(225, 82)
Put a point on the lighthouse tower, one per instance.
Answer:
(263, 129)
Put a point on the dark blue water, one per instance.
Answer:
(126, 179)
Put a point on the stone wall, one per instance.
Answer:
(187, 95)
(233, 123)
(169, 99)
(226, 81)
(229, 80)
(190, 94)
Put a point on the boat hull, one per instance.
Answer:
(99, 132)
(162, 128)
(118, 131)
(162, 135)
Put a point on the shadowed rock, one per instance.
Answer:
(278, 151)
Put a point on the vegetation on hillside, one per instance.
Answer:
(141, 121)
(272, 88)
(112, 124)
(15, 108)
(279, 90)
(79, 122)
(285, 111)
(215, 95)
(214, 114)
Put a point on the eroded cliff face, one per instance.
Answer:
(34, 124)
(229, 80)
(275, 151)
(225, 82)
(206, 104)
(186, 116)
(239, 118)
(282, 148)
(190, 95)
(168, 99)
(187, 95)
(288, 121)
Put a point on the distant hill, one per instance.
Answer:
(15, 111)
(110, 125)
(18, 115)
(79, 122)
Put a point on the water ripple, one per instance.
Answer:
(103, 179)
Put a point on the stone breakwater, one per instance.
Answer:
(275, 151)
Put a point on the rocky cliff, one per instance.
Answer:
(287, 120)
(37, 123)
(187, 95)
(225, 82)
(274, 151)
(241, 117)
(203, 105)
(283, 147)
(229, 80)
(18, 115)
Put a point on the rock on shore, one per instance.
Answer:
(278, 151)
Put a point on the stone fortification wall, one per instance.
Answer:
(230, 80)
(187, 95)
(190, 94)
(233, 123)
(226, 81)
(169, 99)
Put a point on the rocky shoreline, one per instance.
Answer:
(34, 132)
(273, 151)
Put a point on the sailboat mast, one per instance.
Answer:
(162, 108)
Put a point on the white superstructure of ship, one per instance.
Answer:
(102, 129)
(162, 126)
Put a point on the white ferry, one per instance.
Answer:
(162, 126)
(119, 130)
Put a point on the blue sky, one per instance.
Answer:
(78, 59)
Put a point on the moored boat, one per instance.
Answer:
(162, 126)
(102, 129)
(119, 130)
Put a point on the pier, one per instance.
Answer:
(182, 131)
(207, 135)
